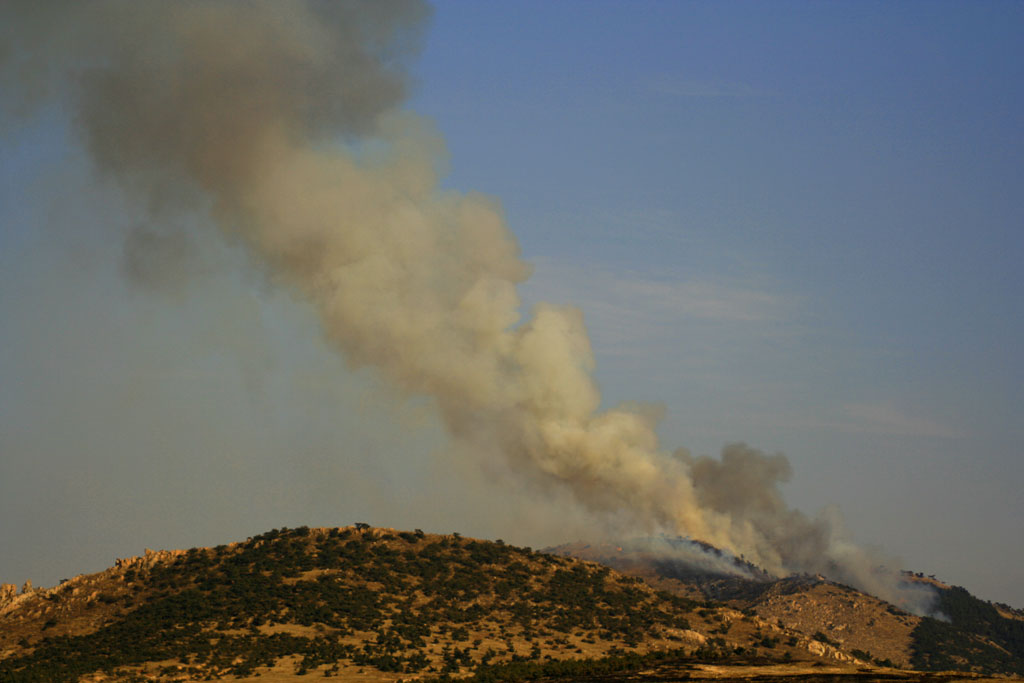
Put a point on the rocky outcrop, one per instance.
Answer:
(823, 650)
(148, 559)
(849, 619)
(9, 597)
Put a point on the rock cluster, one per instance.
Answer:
(9, 596)
(149, 559)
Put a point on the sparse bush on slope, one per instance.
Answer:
(373, 600)
(975, 638)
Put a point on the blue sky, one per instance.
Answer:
(796, 225)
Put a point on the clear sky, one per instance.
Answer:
(796, 225)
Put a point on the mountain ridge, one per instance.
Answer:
(364, 603)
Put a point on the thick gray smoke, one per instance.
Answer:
(284, 121)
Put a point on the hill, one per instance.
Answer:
(367, 604)
(963, 633)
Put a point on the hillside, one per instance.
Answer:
(367, 604)
(965, 633)
(978, 635)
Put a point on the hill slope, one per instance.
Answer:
(978, 636)
(367, 604)
(967, 634)
(399, 603)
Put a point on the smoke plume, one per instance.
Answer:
(283, 121)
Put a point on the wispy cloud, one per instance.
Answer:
(885, 419)
(628, 312)
(879, 418)
(685, 87)
(697, 299)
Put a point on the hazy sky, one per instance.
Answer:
(797, 225)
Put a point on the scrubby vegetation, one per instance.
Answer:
(402, 602)
(596, 668)
(410, 605)
(975, 637)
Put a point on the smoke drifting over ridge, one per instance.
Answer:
(286, 121)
